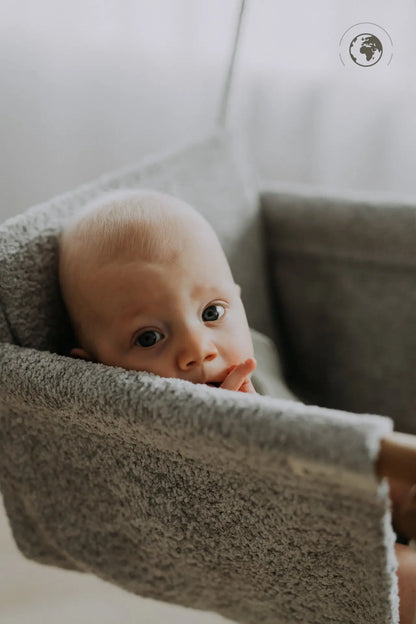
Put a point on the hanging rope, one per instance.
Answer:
(223, 109)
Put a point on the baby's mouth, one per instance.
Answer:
(215, 384)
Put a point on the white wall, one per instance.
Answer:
(91, 85)
(309, 118)
(88, 86)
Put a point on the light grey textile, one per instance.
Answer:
(267, 378)
(259, 509)
(264, 510)
(343, 271)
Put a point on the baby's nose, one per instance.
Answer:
(196, 353)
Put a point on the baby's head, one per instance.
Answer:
(148, 287)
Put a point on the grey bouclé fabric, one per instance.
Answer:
(262, 509)
(343, 267)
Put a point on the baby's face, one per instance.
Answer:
(179, 317)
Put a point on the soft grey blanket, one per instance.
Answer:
(261, 509)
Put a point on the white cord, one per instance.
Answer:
(222, 114)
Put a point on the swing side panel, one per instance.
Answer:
(343, 275)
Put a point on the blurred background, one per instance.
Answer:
(90, 86)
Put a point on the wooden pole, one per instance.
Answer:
(397, 457)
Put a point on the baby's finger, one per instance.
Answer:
(247, 387)
(237, 376)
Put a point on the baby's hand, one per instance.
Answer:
(237, 378)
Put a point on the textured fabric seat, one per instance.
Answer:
(258, 508)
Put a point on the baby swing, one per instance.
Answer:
(257, 508)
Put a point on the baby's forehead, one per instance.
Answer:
(152, 223)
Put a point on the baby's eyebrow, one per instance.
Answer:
(131, 312)
(199, 290)
(205, 289)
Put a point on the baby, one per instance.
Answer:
(148, 287)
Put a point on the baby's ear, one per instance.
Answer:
(80, 353)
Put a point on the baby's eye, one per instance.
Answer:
(148, 338)
(213, 312)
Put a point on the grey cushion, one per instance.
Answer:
(268, 378)
(343, 271)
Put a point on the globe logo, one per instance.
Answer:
(365, 45)
(366, 49)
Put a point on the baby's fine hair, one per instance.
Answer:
(119, 221)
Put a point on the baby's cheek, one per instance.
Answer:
(245, 343)
(240, 348)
